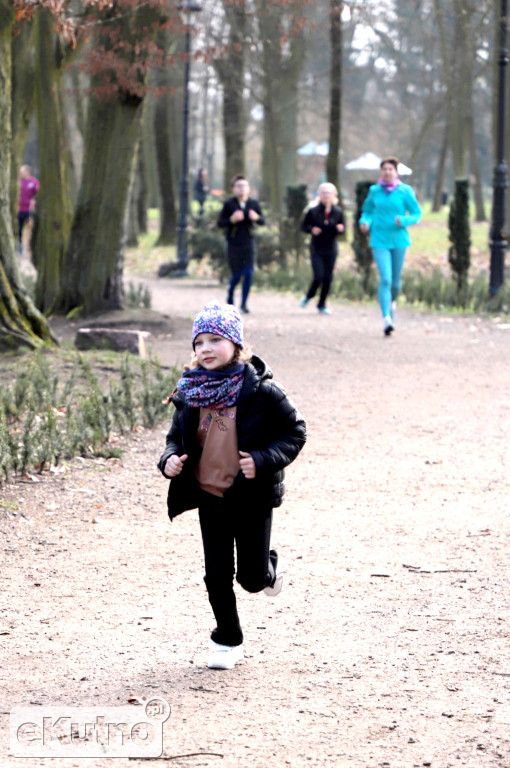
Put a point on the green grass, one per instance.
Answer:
(430, 241)
(146, 257)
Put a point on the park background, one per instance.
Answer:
(389, 646)
(96, 107)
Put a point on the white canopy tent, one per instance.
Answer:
(312, 149)
(371, 162)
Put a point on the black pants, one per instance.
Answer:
(322, 265)
(23, 217)
(225, 521)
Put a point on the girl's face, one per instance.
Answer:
(213, 351)
(388, 172)
(326, 197)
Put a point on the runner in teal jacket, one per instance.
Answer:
(390, 207)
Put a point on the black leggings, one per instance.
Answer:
(322, 265)
(224, 521)
(23, 217)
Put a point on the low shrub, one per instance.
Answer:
(44, 420)
(138, 296)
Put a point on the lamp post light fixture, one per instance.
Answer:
(497, 236)
(186, 8)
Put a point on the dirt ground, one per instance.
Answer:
(388, 645)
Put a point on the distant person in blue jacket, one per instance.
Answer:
(390, 207)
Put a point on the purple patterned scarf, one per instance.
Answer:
(389, 187)
(212, 389)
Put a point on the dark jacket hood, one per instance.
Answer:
(258, 369)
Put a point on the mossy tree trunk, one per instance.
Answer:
(54, 205)
(22, 105)
(20, 322)
(94, 260)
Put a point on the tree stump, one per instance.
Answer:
(113, 339)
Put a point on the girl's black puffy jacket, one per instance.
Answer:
(268, 426)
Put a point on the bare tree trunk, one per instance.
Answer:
(167, 208)
(475, 170)
(141, 197)
(438, 193)
(21, 324)
(131, 222)
(280, 101)
(205, 122)
(271, 181)
(289, 118)
(164, 80)
(210, 165)
(230, 72)
(335, 90)
(455, 61)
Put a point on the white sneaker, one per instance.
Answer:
(388, 326)
(224, 656)
(276, 588)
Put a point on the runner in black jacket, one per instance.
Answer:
(325, 221)
(238, 217)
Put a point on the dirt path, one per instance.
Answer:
(389, 643)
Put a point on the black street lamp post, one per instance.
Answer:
(497, 241)
(187, 8)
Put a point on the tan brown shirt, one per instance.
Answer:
(219, 463)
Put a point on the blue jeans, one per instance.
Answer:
(389, 263)
(246, 273)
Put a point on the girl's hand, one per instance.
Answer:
(253, 215)
(340, 227)
(247, 465)
(316, 231)
(174, 464)
(363, 227)
(237, 216)
(397, 221)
